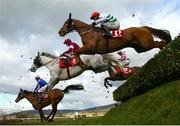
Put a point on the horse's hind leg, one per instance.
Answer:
(159, 44)
(49, 115)
(41, 115)
(147, 42)
(54, 111)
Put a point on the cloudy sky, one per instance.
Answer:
(29, 26)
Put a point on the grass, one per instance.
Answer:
(157, 106)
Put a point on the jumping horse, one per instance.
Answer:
(119, 77)
(97, 63)
(139, 38)
(54, 97)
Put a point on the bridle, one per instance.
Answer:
(38, 63)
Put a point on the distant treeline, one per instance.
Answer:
(164, 67)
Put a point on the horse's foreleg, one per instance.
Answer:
(53, 81)
(106, 82)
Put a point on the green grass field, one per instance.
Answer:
(157, 106)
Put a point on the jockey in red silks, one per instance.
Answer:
(123, 58)
(107, 21)
(72, 48)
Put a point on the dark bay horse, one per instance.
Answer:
(54, 97)
(139, 38)
(115, 77)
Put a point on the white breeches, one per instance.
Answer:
(112, 25)
(42, 89)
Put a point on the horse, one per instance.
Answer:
(120, 77)
(54, 97)
(139, 38)
(96, 63)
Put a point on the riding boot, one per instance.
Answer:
(106, 29)
(121, 75)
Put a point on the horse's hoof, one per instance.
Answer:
(110, 85)
(106, 86)
(50, 120)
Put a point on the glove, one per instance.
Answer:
(94, 23)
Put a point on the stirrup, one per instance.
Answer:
(107, 35)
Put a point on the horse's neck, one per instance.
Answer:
(30, 96)
(81, 26)
(47, 61)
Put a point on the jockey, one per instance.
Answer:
(123, 58)
(107, 21)
(40, 88)
(72, 48)
(41, 84)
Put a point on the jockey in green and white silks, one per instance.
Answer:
(107, 21)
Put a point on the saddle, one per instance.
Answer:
(116, 33)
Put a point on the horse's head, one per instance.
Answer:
(20, 95)
(36, 64)
(67, 27)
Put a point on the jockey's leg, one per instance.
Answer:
(40, 95)
(106, 29)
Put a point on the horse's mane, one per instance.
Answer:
(98, 29)
(48, 54)
(26, 91)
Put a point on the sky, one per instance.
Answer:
(29, 26)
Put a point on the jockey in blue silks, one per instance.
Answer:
(40, 88)
(41, 84)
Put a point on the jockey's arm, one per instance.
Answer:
(102, 18)
(36, 87)
(69, 50)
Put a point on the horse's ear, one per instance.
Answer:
(69, 15)
(38, 54)
(21, 90)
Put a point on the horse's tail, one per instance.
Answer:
(162, 34)
(73, 87)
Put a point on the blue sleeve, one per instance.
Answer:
(36, 87)
(42, 82)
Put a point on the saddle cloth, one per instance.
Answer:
(117, 33)
(64, 64)
(127, 70)
(45, 96)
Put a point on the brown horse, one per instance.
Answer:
(54, 97)
(139, 38)
(120, 77)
